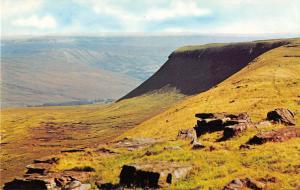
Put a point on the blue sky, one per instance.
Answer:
(46, 17)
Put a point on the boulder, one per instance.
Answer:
(153, 175)
(209, 126)
(233, 130)
(221, 115)
(197, 145)
(212, 122)
(32, 184)
(282, 115)
(108, 186)
(38, 168)
(247, 183)
(210, 115)
(62, 181)
(82, 169)
(77, 185)
(187, 134)
(47, 160)
(278, 135)
(73, 150)
(134, 143)
(72, 185)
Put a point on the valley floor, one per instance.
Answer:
(31, 133)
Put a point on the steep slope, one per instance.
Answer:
(195, 69)
(271, 80)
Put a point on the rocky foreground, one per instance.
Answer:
(161, 174)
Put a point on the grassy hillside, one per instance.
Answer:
(30, 133)
(272, 80)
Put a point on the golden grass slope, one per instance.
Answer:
(270, 81)
(30, 133)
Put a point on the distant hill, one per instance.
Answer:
(61, 69)
(194, 69)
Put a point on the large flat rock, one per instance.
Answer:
(278, 135)
(152, 175)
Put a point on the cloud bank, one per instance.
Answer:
(43, 17)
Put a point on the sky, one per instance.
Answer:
(64, 17)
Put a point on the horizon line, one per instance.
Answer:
(142, 34)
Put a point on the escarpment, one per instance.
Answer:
(192, 70)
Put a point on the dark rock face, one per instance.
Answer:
(131, 177)
(152, 175)
(26, 184)
(282, 115)
(231, 124)
(108, 186)
(278, 135)
(38, 168)
(234, 130)
(239, 184)
(193, 72)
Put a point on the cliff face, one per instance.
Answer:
(197, 70)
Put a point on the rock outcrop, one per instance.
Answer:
(190, 134)
(247, 183)
(40, 177)
(48, 160)
(26, 184)
(231, 124)
(38, 168)
(152, 175)
(187, 134)
(278, 135)
(282, 115)
(134, 143)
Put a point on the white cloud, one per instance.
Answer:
(46, 22)
(177, 8)
(11, 8)
(259, 27)
(133, 20)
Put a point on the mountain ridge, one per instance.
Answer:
(194, 70)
